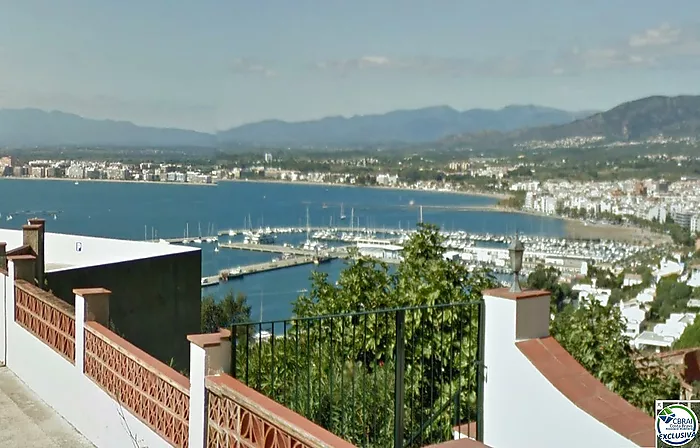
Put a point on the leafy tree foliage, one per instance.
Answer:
(690, 337)
(671, 297)
(547, 278)
(339, 371)
(593, 334)
(222, 314)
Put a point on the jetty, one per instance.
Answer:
(241, 271)
(287, 250)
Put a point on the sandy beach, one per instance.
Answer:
(330, 184)
(65, 179)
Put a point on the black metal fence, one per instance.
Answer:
(401, 377)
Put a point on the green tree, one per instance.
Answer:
(547, 278)
(671, 297)
(440, 345)
(594, 335)
(690, 337)
(222, 314)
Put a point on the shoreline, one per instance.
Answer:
(115, 181)
(573, 228)
(494, 195)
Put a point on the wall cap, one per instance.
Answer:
(505, 293)
(83, 292)
(21, 257)
(206, 340)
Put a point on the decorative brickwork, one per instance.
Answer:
(241, 417)
(47, 317)
(231, 425)
(152, 391)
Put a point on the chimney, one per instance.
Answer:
(3, 256)
(33, 236)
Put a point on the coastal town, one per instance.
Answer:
(665, 209)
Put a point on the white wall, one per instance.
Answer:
(81, 251)
(3, 328)
(521, 407)
(73, 395)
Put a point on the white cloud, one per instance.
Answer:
(252, 67)
(661, 36)
(662, 46)
(428, 65)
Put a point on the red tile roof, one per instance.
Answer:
(586, 392)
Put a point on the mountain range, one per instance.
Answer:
(677, 116)
(34, 127)
(402, 126)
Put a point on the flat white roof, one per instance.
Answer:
(65, 252)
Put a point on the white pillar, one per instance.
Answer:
(3, 317)
(9, 311)
(90, 304)
(510, 317)
(210, 354)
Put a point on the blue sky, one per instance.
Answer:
(211, 64)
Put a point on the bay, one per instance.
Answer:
(142, 210)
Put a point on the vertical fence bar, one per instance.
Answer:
(399, 381)
(234, 351)
(480, 373)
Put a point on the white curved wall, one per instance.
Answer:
(522, 408)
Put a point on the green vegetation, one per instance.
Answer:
(671, 297)
(690, 337)
(515, 201)
(224, 313)
(593, 334)
(345, 383)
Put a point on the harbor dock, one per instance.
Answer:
(280, 249)
(242, 271)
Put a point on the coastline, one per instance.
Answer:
(497, 196)
(116, 181)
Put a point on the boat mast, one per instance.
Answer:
(308, 229)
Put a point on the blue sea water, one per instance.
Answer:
(142, 210)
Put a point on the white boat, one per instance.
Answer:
(216, 249)
(262, 336)
(9, 218)
(206, 282)
(77, 183)
(259, 237)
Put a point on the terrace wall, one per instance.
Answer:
(117, 395)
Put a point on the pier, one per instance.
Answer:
(242, 271)
(279, 249)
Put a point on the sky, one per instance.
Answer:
(213, 64)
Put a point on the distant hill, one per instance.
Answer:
(34, 127)
(677, 116)
(404, 126)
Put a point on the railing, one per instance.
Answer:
(401, 377)
(47, 317)
(152, 391)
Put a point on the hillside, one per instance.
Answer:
(33, 127)
(406, 126)
(677, 116)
